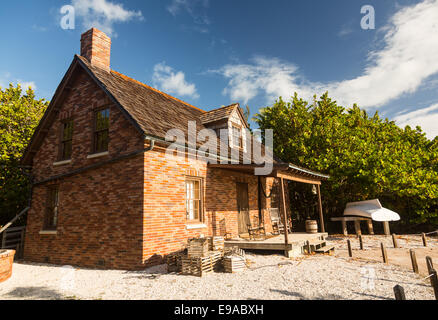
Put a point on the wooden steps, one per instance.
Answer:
(319, 246)
(326, 249)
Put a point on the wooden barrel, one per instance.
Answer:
(311, 226)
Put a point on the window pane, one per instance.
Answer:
(51, 219)
(196, 192)
(236, 137)
(102, 120)
(193, 199)
(66, 150)
(68, 131)
(101, 141)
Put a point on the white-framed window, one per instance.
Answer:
(236, 136)
(194, 199)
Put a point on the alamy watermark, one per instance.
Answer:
(368, 21)
(67, 282)
(205, 144)
(68, 18)
(368, 278)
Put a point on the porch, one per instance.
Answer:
(295, 246)
(292, 243)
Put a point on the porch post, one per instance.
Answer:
(283, 202)
(321, 215)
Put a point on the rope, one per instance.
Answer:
(263, 190)
(420, 234)
(428, 277)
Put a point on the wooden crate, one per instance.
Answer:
(216, 243)
(197, 247)
(234, 251)
(173, 261)
(234, 263)
(200, 266)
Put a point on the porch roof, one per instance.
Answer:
(280, 170)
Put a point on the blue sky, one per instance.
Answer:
(215, 52)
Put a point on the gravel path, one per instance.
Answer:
(270, 277)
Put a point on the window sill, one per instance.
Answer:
(196, 226)
(48, 232)
(98, 155)
(61, 163)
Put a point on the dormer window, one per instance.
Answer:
(236, 136)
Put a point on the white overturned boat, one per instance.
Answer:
(370, 209)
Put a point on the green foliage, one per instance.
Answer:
(20, 113)
(366, 157)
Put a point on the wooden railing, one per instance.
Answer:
(13, 238)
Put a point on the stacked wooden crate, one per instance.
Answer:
(174, 263)
(233, 264)
(199, 266)
(197, 247)
(234, 260)
(217, 243)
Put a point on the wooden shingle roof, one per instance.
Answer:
(154, 111)
(151, 111)
(217, 114)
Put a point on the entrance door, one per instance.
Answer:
(242, 207)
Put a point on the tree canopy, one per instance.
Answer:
(20, 113)
(366, 156)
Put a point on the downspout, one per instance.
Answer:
(151, 145)
(259, 198)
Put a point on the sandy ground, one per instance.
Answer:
(397, 256)
(269, 277)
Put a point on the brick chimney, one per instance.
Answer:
(96, 48)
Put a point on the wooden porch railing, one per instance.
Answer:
(13, 238)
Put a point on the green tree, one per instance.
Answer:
(20, 113)
(366, 156)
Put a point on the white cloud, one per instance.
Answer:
(27, 84)
(102, 14)
(426, 118)
(196, 9)
(174, 82)
(408, 56)
(6, 79)
(273, 76)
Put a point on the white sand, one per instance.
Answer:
(270, 277)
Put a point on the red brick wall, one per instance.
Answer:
(100, 210)
(79, 105)
(165, 224)
(130, 213)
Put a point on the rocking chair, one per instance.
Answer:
(258, 231)
(277, 223)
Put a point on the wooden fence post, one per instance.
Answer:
(361, 242)
(414, 261)
(434, 282)
(384, 253)
(429, 264)
(394, 241)
(308, 247)
(350, 252)
(399, 293)
(423, 235)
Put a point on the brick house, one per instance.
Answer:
(105, 194)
